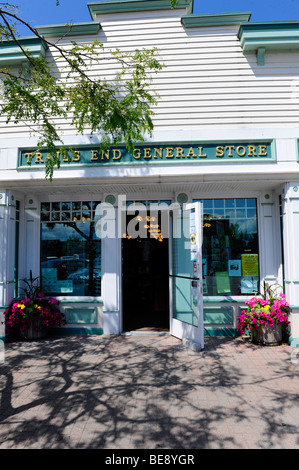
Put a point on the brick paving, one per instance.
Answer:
(148, 392)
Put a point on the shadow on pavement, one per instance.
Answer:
(147, 392)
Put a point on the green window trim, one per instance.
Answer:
(218, 315)
(83, 301)
(78, 315)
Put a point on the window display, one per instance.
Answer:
(70, 249)
(230, 247)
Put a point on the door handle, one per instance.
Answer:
(185, 277)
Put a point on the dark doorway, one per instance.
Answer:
(145, 282)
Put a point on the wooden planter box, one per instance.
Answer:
(34, 332)
(267, 335)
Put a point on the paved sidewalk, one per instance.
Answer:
(148, 392)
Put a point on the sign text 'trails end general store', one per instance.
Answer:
(152, 153)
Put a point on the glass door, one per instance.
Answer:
(186, 320)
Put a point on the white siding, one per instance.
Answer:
(207, 82)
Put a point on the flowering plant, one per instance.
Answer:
(264, 311)
(33, 309)
(22, 313)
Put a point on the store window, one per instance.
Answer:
(70, 249)
(230, 251)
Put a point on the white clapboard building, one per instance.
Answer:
(177, 235)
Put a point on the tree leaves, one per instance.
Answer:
(119, 109)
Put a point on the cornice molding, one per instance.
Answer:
(123, 6)
(72, 29)
(263, 37)
(193, 21)
(12, 55)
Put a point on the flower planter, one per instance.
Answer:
(264, 317)
(32, 318)
(34, 331)
(267, 335)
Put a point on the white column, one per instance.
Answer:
(7, 252)
(32, 237)
(290, 214)
(111, 264)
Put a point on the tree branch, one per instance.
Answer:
(15, 38)
(120, 109)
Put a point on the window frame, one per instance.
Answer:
(223, 296)
(63, 296)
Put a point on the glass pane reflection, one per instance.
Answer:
(230, 249)
(70, 250)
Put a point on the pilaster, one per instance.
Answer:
(7, 252)
(290, 217)
(110, 266)
(32, 237)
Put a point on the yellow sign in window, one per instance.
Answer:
(250, 265)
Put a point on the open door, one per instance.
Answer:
(186, 321)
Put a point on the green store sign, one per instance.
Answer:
(155, 153)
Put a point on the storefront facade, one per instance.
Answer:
(177, 235)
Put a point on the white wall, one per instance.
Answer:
(207, 82)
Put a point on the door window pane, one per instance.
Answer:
(185, 305)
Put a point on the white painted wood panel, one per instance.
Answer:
(207, 80)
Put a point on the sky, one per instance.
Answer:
(46, 12)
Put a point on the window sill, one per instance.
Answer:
(222, 299)
(80, 300)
